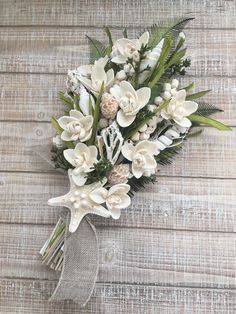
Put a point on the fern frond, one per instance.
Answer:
(97, 49)
(206, 109)
(139, 184)
(167, 155)
(162, 28)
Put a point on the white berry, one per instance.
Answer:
(135, 137)
(144, 136)
(173, 91)
(174, 83)
(158, 100)
(166, 95)
(167, 87)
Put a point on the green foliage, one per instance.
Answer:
(59, 159)
(100, 171)
(96, 116)
(56, 125)
(167, 155)
(139, 184)
(189, 87)
(164, 28)
(197, 95)
(97, 49)
(109, 48)
(205, 109)
(208, 121)
(142, 118)
(125, 34)
(66, 100)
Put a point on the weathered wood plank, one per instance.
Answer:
(130, 255)
(55, 50)
(30, 296)
(201, 157)
(209, 14)
(172, 203)
(36, 96)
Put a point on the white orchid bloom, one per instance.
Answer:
(82, 158)
(141, 156)
(179, 109)
(116, 198)
(79, 202)
(130, 101)
(125, 48)
(94, 79)
(76, 126)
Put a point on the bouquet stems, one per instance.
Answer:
(52, 251)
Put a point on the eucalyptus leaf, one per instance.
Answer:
(97, 49)
(208, 121)
(197, 95)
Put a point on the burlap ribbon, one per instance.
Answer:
(81, 258)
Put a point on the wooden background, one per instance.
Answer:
(174, 250)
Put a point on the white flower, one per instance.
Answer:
(141, 156)
(125, 48)
(76, 126)
(130, 101)
(79, 202)
(116, 198)
(82, 158)
(93, 77)
(178, 109)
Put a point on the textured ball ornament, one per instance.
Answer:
(109, 106)
(119, 174)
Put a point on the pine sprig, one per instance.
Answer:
(139, 184)
(167, 155)
(100, 171)
(59, 159)
(206, 109)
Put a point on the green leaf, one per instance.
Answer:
(189, 87)
(108, 32)
(197, 95)
(56, 125)
(177, 57)
(66, 100)
(97, 49)
(208, 121)
(90, 106)
(96, 116)
(125, 34)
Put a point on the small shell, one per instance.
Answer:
(119, 174)
(109, 106)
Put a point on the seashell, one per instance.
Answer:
(119, 174)
(109, 106)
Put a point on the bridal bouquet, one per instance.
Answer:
(126, 113)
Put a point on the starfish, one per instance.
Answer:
(79, 202)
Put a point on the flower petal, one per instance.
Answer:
(127, 151)
(115, 212)
(123, 119)
(149, 146)
(100, 211)
(180, 96)
(127, 87)
(79, 179)
(69, 156)
(99, 195)
(189, 107)
(144, 95)
(115, 91)
(81, 148)
(98, 75)
(119, 59)
(137, 171)
(66, 136)
(63, 121)
(184, 122)
(144, 38)
(121, 188)
(76, 114)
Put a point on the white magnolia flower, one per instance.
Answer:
(141, 156)
(125, 48)
(93, 76)
(76, 126)
(178, 109)
(82, 158)
(79, 202)
(116, 198)
(130, 101)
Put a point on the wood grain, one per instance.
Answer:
(199, 158)
(136, 13)
(28, 97)
(130, 255)
(31, 296)
(55, 50)
(172, 203)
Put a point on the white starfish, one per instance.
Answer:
(79, 202)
